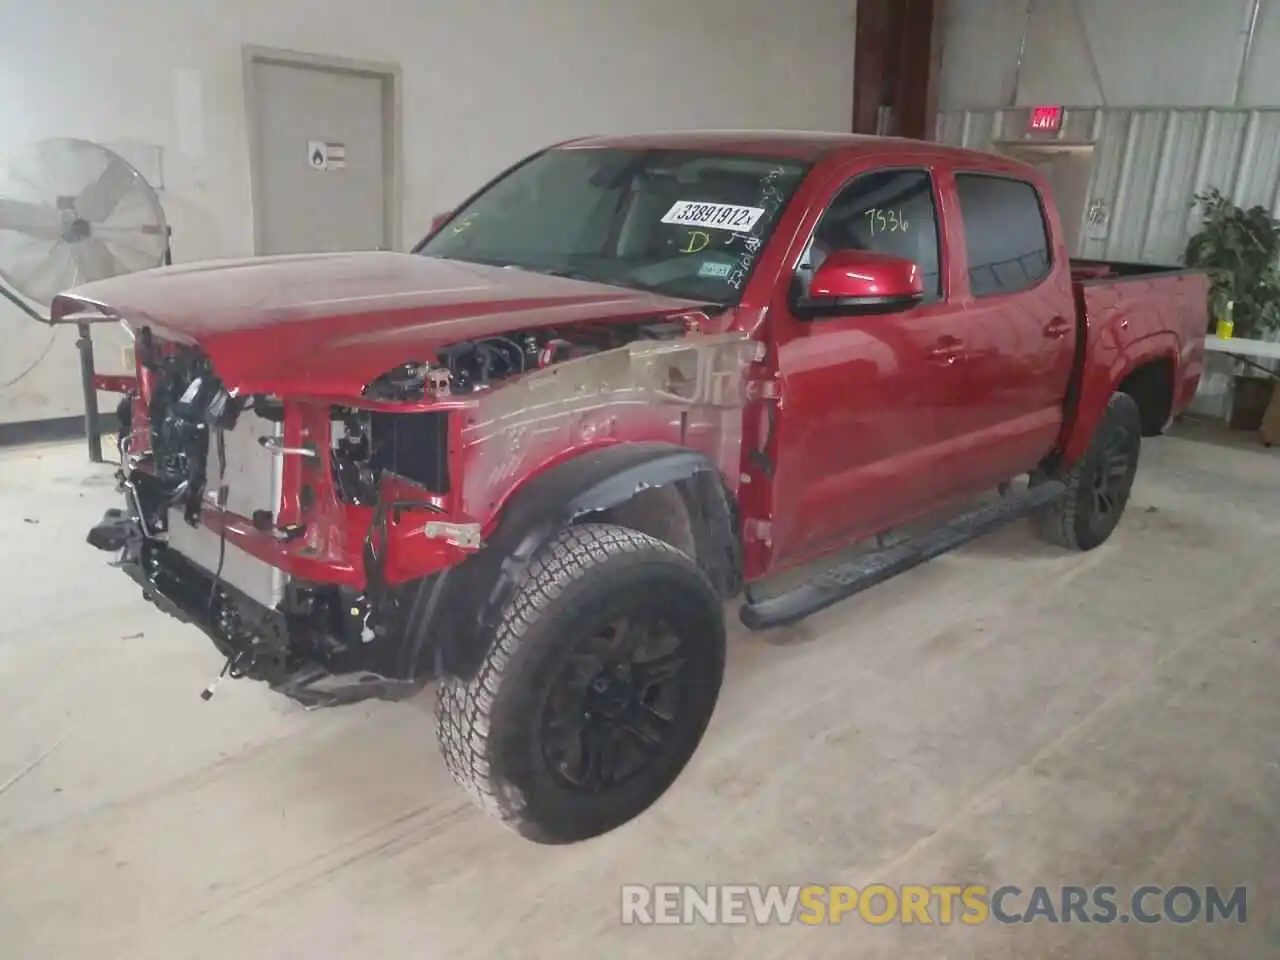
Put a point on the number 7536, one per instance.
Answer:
(885, 221)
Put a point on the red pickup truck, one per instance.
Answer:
(629, 379)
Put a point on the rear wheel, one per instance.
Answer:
(596, 690)
(1099, 483)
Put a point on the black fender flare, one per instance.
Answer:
(451, 615)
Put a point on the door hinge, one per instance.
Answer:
(764, 389)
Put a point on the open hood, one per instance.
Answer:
(327, 324)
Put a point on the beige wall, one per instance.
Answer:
(484, 83)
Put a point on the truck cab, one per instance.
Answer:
(896, 409)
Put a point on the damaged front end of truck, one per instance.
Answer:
(350, 544)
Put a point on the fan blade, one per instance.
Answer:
(102, 196)
(33, 219)
(95, 261)
(47, 278)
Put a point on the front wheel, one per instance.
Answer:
(597, 687)
(1099, 483)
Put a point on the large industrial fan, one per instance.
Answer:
(72, 211)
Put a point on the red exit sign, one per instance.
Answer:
(1046, 118)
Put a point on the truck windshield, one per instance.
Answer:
(682, 223)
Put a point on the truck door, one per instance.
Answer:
(1020, 327)
(867, 400)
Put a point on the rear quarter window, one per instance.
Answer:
(1005, 234)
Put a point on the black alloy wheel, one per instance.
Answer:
(615, 704)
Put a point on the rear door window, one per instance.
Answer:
(1005, 233)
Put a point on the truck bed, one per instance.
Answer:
(1146, 308)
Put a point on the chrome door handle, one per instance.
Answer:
(947, 352)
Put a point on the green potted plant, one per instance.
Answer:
(1241, 250)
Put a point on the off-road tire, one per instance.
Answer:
(489, 725)
(1076, 521)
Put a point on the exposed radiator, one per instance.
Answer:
(252, 476)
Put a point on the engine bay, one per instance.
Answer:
(470, 366)
(414, 445)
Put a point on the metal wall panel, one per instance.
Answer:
(1148, 164)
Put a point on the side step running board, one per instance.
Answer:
(845, 579)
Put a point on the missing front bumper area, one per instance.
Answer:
(316, 648)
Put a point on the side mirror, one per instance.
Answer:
(440, 219)
(854, 282)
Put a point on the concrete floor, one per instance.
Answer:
(1009, 714)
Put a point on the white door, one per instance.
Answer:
(321, 159)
